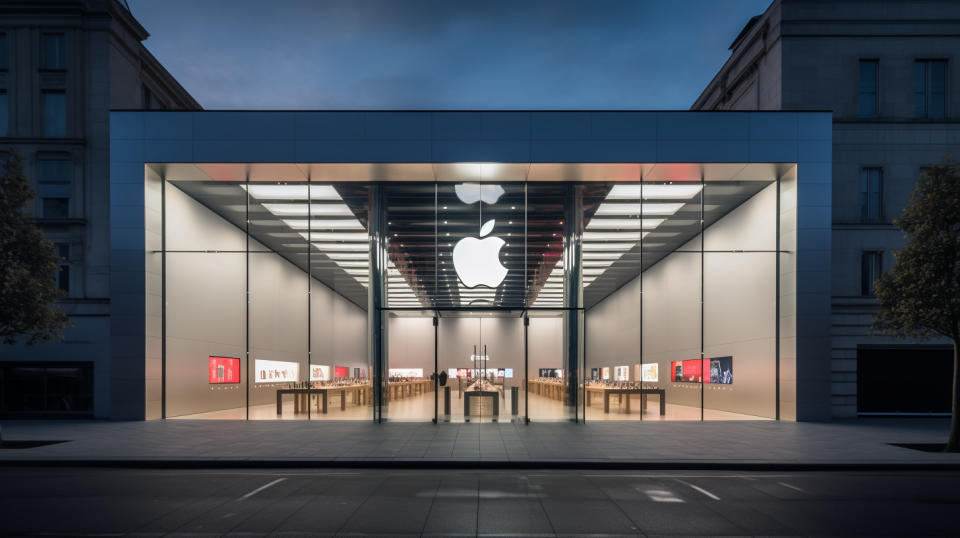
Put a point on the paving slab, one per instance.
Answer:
(850, 443)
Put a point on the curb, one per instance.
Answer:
(480, 465)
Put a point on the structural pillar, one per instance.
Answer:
(573, 348)
(377, 298)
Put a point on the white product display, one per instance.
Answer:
(276, 371)
(651, 372)
(621, 373)
(405, 372)
(319, 372)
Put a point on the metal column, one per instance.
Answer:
(573, 350)
(376, 298)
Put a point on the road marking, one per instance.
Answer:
(746, 477)
(791, 486)
(662, 496)
(261, 488)
(701, 490)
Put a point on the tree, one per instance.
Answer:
(28, 266)
(920, 296)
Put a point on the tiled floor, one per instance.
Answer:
(421, 408)
(650, 442)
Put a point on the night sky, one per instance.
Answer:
(394, 54)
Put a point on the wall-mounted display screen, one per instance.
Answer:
(621, 373)
(319, 372)
(551, 372)
(594, 373)
(224, 370)
(651, 372)
(605, 373)
(721, 370)
(276, 371)
(405, 372)
(341, 371)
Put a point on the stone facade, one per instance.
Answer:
(89, 56)
(806, 55)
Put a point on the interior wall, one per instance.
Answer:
(545, 345)
(206, 309)
(739, 312)
(410, 343)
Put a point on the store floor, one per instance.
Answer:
(420, 408)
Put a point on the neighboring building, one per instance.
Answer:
(890, 72)
(63, 66)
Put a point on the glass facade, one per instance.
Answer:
(463, 299)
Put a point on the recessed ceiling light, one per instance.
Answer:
(324, 224)
(291, 192)
(623, 224)
(335, 236)
(607, 246)
(614, 236)
(654, 191)
(305, 210)
(638, 209)
(353, 247)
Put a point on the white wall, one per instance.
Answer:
(206, 311)
(739, 309)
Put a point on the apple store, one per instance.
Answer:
(450, 267)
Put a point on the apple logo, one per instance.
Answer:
(477, 261)
(471, 193)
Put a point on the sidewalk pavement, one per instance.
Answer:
(851, 444)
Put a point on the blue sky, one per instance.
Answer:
(383, 54)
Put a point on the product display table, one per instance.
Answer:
(402, 389)
(480, 394)
(302, 395)
(607, 392)
(550, 389)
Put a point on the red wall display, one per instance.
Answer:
(341, 371)
(224, 370)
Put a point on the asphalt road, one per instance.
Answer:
(470, 503)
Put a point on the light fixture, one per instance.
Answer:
(291, 192)
(348, 255)
(607, 246)
(305, 210)
(598, 263)
(354, 247)
(614, 236)
(623, 224)
(638, 209)
(654, 191)
(324, 224)
(335, 236)
(602, 255)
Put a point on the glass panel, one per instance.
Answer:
(867, 95)
(54, 114)
(340, 371)
(549, 377)
(938, 89)
(4, 52)
(278, 304)
(919, 89)
(206, 367)
(410, 366)
(53, 52)
(4, 114)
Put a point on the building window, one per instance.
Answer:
(4, 114)
(54, 105)
(871, 194)
(871, 263)
(63, 271)
(53, 52)
(62, 389)
(54, 187)
(930, 89)
(4, 53)
(867, 89)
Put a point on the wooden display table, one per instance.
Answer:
(548, 389)
(607, 392)
(480, 394)
(301, 396)
(401, 389)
